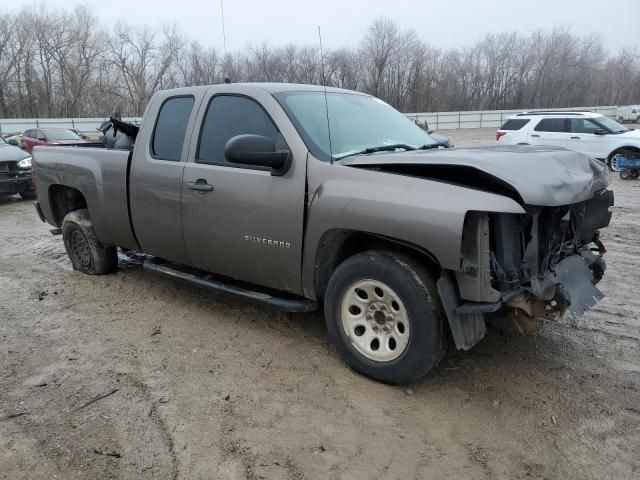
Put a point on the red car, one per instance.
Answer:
(48, 136)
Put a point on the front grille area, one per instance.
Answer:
(10, 170)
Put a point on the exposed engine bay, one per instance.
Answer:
(540, 264)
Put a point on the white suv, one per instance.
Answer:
(585, 132)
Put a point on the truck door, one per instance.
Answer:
(550, 131)
(155, 180)
(240, 221)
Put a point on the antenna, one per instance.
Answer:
(326, 103)
(224, 35)
(224, 42)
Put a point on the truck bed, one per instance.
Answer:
(100, 175)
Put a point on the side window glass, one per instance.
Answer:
(583, 125)
(551, 125)
(40, 135)
(228, 116)
(171, 127)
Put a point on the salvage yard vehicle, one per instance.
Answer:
(301, 197)
(49, 136)
(590, 133)
(629, 113)
(15, 171)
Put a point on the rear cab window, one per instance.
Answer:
(171, 128)
(514, 124)
(551, 125)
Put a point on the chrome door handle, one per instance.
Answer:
(574, 138)
(200, 185)
(535, 135)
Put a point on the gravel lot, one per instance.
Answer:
(205, 386)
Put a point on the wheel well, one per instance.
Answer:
(338, 245)
(63, 200)
(622, 149)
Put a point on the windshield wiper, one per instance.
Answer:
(382, 148)
(434, 145)
(386, 148)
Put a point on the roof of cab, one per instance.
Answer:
(297, 87)
(269, 87)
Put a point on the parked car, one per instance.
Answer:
(590, 133)
(297, 197)
(15, 171)
(630, 113)
(49, 136)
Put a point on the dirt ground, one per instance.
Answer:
(211, 387)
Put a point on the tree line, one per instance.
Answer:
(60, 63)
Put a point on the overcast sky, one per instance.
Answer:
(443, 23)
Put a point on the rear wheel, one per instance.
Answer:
(86, 252)
(634, 173)
(620, 120)
(625, 174)
(383, 316)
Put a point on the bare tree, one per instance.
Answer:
(64, 63)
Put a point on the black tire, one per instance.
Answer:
(625, 174)
(83, 247)
(28, 195)
(416, 289)
(634, 173)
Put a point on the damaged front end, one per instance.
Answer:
(540, 264)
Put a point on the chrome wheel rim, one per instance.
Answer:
(80, 248)
(614, 164)
(374, 320)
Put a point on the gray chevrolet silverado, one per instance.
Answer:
(296, 196)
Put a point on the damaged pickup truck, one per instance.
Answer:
(299, 197)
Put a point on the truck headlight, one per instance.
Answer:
(25, 163)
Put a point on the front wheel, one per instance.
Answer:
(86, 252)
(383, 315)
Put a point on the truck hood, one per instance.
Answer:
(531, 175)
(11, 153)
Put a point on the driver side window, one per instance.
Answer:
(228, 116)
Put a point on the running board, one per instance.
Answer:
(214, 283)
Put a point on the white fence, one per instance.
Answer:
(488, 118)
(436, 120)
(10, 126)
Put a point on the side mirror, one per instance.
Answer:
(600, 131)
(257, 150)
(13, 141)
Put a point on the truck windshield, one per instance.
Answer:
(357, 123)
